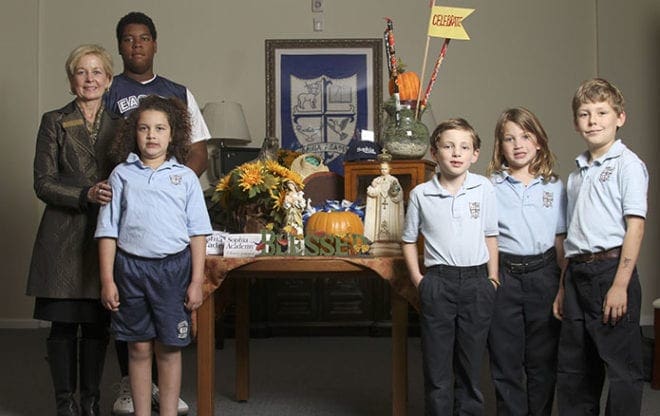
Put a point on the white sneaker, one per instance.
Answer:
(181, 408)
(124, 403)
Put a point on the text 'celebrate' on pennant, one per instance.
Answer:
(447, 22)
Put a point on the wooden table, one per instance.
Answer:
(219, 268)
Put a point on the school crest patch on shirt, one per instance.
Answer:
(606, 173)
(475, 209)
(175, 179)
(548, 197)
(182, 330)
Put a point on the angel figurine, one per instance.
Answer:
(294, 205)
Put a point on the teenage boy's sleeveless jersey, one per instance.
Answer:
(125, 93)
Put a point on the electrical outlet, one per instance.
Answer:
(318, 24)
(317, 6)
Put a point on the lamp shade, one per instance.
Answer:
(226, 121)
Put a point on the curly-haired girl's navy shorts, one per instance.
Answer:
(152, 293)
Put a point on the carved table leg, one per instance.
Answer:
(242, 339)
(206, 356)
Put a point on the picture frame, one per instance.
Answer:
(320, 93)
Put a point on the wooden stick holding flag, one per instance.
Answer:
(444, 22)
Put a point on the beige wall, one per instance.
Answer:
(531, 53)
(20, 114)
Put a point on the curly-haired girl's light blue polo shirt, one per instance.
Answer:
(153, 213)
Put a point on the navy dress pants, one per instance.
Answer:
(456, 308)
(523, 341)
(590, 349)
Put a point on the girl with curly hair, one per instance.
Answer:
(152, 247)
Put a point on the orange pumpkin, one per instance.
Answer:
(408, 85)
(334, 223)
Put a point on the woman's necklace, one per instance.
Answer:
(92, 127)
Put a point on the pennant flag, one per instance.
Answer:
(447, 22)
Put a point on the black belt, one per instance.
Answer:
(526, 264)
(459, 270)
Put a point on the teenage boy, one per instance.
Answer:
(599, 301)
(136, 40)
(456, 214)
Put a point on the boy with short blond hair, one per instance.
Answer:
(456, 213)
(599, 300)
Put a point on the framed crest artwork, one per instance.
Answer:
(320, 93)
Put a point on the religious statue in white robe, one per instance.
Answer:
(384, 216)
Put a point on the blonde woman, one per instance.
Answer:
(70, 170)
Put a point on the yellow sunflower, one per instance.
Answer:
(250, 176)
(223, 184)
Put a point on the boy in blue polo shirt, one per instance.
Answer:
(456, 213)
(599, 301)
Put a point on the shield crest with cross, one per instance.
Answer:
(325, 99)
(324, 114)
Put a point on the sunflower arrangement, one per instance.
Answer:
(251, 197)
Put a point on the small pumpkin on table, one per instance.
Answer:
(338, 228)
